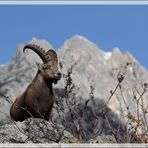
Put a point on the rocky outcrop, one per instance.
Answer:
(104, 139)
(35, 131)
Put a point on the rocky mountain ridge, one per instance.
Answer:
(92, 68)
(96, 67)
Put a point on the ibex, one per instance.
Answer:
(38, 98)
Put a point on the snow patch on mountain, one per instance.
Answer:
(107, 55)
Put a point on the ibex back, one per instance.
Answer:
(38, 98)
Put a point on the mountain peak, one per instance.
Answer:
(130, 57)
(80, 44)
(80, 37)
(117, 51)
(78, 41)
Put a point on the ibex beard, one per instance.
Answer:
(38, 99)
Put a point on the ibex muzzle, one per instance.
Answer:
(38, 98)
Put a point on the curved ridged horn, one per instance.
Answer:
(37, 49)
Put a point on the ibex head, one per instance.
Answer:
(49, 68)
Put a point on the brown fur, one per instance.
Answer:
(38, 98)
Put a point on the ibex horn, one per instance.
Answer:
(37, 49)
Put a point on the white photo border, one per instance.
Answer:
(57, 2)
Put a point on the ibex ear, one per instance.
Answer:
(52, 54)
(40, 67)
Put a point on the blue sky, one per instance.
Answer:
(108, 26)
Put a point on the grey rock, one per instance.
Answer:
(34, 131)
(104, 139)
